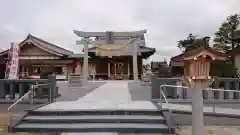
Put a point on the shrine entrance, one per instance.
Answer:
(110, 44)
(115, 70)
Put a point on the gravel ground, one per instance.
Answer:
(211, 130)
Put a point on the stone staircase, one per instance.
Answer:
(121, 121)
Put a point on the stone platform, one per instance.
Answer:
(111, 95)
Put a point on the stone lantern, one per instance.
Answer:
(197, 64)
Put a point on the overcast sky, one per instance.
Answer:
(167, 21)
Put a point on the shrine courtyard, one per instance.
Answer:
(124, 94)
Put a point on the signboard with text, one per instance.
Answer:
(12, 65)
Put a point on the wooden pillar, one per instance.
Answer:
(22, 71)
(115, 69)
(109, 70)
(128, 70)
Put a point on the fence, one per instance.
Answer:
(14, 89)
(182, 93)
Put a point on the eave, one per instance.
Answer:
(44, 45)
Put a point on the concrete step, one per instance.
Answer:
(121, 121)
(95, 119)
(59, 112)
(93, 127)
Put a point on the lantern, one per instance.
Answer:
(197, 64)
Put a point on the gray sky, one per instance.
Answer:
(167, 21)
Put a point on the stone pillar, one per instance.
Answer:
(53, 91)
(135, 63)
(65, 72)
(85, 63)
(221, 94)
(179, 90)
(230, 95)
(237, 88)
(197, 111)
(210, 94)
(189, 94)
(3, 89)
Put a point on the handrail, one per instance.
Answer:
(175, 86)
(164, 97)
(20, 99)
(26, 94)
(168, 117)
(33, 87)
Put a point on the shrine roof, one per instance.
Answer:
(177, 58)
(201, 44)
(200, 49)
(47, 46)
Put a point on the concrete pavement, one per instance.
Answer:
(111, 95)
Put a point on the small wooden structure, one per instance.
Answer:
(197, 64)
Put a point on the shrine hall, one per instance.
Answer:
(110, 56)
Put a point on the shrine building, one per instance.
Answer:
(110, 56)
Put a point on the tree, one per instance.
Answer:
(187, 44)
(161, 68)
(225, 42)
(223, 69)
(226, 34)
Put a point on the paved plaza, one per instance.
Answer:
(110, 95)
(117, 94)
(122, 95)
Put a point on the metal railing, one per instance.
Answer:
(31, 93)
(206, 89)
